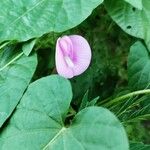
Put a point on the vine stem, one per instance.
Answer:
(18, 56)
(121, 98)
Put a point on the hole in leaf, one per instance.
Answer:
(129, 27)
(133, 8)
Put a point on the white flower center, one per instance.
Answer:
(69, 62)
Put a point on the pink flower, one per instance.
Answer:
(73, 55)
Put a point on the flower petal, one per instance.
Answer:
(61, 65)
(82, 52)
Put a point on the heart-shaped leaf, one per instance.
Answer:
(22, 20)
(38, 122)
(139, 67)
(15, 76)
(133, 21)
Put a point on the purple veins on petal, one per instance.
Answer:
(73, 55)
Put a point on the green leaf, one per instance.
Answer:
(139, 67)
(84, 101)
(24, 20)
(38, 122)
(136, 3)
(139, 146)
(93, 101)
(15, 76)
(28, 46)
(133, 21)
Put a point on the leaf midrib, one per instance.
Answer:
(29, 10)
(63, 129)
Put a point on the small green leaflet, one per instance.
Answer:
(28, 46)
(38, 122)
(86, 103)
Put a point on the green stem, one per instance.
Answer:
(18, 56)
(104, 101)
(121, 98)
